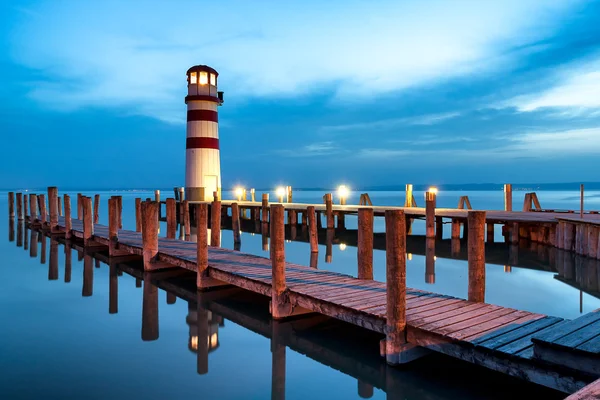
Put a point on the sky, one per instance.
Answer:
(316, 93)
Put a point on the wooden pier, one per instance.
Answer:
(414, 321)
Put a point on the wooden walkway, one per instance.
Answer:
(493, 336)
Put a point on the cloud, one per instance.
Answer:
(125, 55)
(312, 150)
(423, 120)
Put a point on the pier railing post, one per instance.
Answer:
(43, 212)
(312, 226)
(138, 214)
(68, 218)
(365, 243)
(329, 211)
(19, 206)
(395, 234)
(149, 233)
(278, 309)
(508, 197)
(11, 205)
(430, 214)
(171, 218)
(476, 256)
(97, 208)
(202, 255)
(235, 222)
(215, 223)
(53, 204)
(33, 205)
(265, 208)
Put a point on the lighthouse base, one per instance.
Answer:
(196, 194)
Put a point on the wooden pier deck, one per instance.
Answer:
(492, 336)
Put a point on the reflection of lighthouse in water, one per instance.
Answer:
(204, 328)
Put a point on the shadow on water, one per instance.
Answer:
(342, 347)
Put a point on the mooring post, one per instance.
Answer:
(395, 235)
(430, 214)
(97, 208)
(149, 233)
(215, 223)
(365, 243)
(202, 255)
(581, 200)
(11, 205)
(476, 256)
(235, 222)
(120, 210)
(312, 226)
(60, 207)
(68, 221)
(53, 204)
(138, 214)
(278, 309)
(88, 220)
(25, 206)
(43, 212)
(490, 232)
(79, 207)
(329, 211)
(157, 196)
(253, 195)
(265, 208)
(171, 218)
(19, 206)
(33, 205)
(113, 229)
(508, 197)
(186, 219)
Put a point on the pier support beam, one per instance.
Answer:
(97, 209)
(490, 232)
(11, 205)
(215, 223)
(33, 205)
(150, 236)
(429, 261)
(365, 243)
(53, 204)
(171, 218)
(430, 214)
(138, 215)
(20, 206)
(476, 256)
(43, 211)
(113, 230)
(265, 208)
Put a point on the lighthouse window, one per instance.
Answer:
(213, 79)
(203, 78)
(193, 78)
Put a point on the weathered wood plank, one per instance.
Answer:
(522, 330)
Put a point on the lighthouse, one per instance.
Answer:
(202, 160)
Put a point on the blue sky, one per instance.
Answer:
(316, 93)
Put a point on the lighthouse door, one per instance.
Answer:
(210, 182)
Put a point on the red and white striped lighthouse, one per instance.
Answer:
(202, 161)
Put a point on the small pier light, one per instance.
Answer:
(409, 256)
(342, 246)
(239, 192)
(280, 192)
(343, 193)
(433, 190)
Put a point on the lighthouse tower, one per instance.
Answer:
(202, 161)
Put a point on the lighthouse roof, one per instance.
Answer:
(205, 68)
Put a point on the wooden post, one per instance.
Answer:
(138, 214)
(278, 309)
(157, 196)
(253, 195)
(265, 208)
(508, 197)
(439, 228)
(186, 218)
(68, 221)
(19, 206)
(235, 222)
(202, 255)
(514, 233)
(149, 233)
(365, 243)
(88, 220)
(581, 201)
(490, 232)
(181, 194)
(215, 223)
(476, 256)
(395, 249)
(455, 229)
(33, 206)
(11, 205)
(312, 226)
(120, 210)
(289, 197)
(97, 209)
(113, 229)
(79, 207)
(430, 214)
(592, 242)
(171, 218)
(25, 205)
(60, 208)
(329, 211)
(43, 212)
(53, 204)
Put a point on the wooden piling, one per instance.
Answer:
(265, 208)
(514, 233)
(455, 234)
(430, 214)
(88, 220)
(150, 233)
(215, 223)
(490, 232)
(138, 214)
(568, 243)
(33, 207)
(592, 250)
(581, 201)
(79, 207)
(171, 218)
(11, 205)
(312, 226)
(395, 233)
(365, 243)
(186, 219)
(120, 210)
(476, 256)
(26, 206)
(113, 228)
(20, 206)
(508, 197)
(157, 196)
(68, 221)
(278, 309)
(439, 228)
(60, 207)
(53, 205)
(235, 222)
(329, 211)
(43, 211)
(97, 210)
(202, 255)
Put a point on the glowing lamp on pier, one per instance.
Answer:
(239, 192)
(280, 192)
(343, 193)
(431, 194)
(342, 246)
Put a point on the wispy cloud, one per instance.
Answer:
(121, 54)
(385, 124)
(312, 150)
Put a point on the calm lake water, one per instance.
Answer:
(59, 341)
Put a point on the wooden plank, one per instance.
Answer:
(487, 324)
(524, 342)
(480, 336)
(445, 316)
(515, 334)
(565, 329)
(472, 313)
(580, 336)
(591, 346)
(475, 321)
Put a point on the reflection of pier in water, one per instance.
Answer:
(355, 353)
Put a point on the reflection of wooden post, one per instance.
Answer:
(277, 364)
(312, 226)
(476, 256)
(11, 205)
(365, 390)
(508, 197)
(43, 255)
(19, 234)
(265, 208)
(88, 275)
(430, 214)
(19, 206)
(365, 243)
(514, 233)
(278, 309)
(329, 211)
(215, 223)
(329, 246)
(150, 303)
(33, 206)
(113, 289)
(395, 234)
(138, 214)
(430, 261)
(455, 244)
(68, 262)
(490, 232)
(171, 218)
(33, 244)
(25, 206)
(53, 264)
(202, 249)
(235, 222)
(439, 228)
(149, 233)
(203, 337)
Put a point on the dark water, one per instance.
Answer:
(105, 334)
